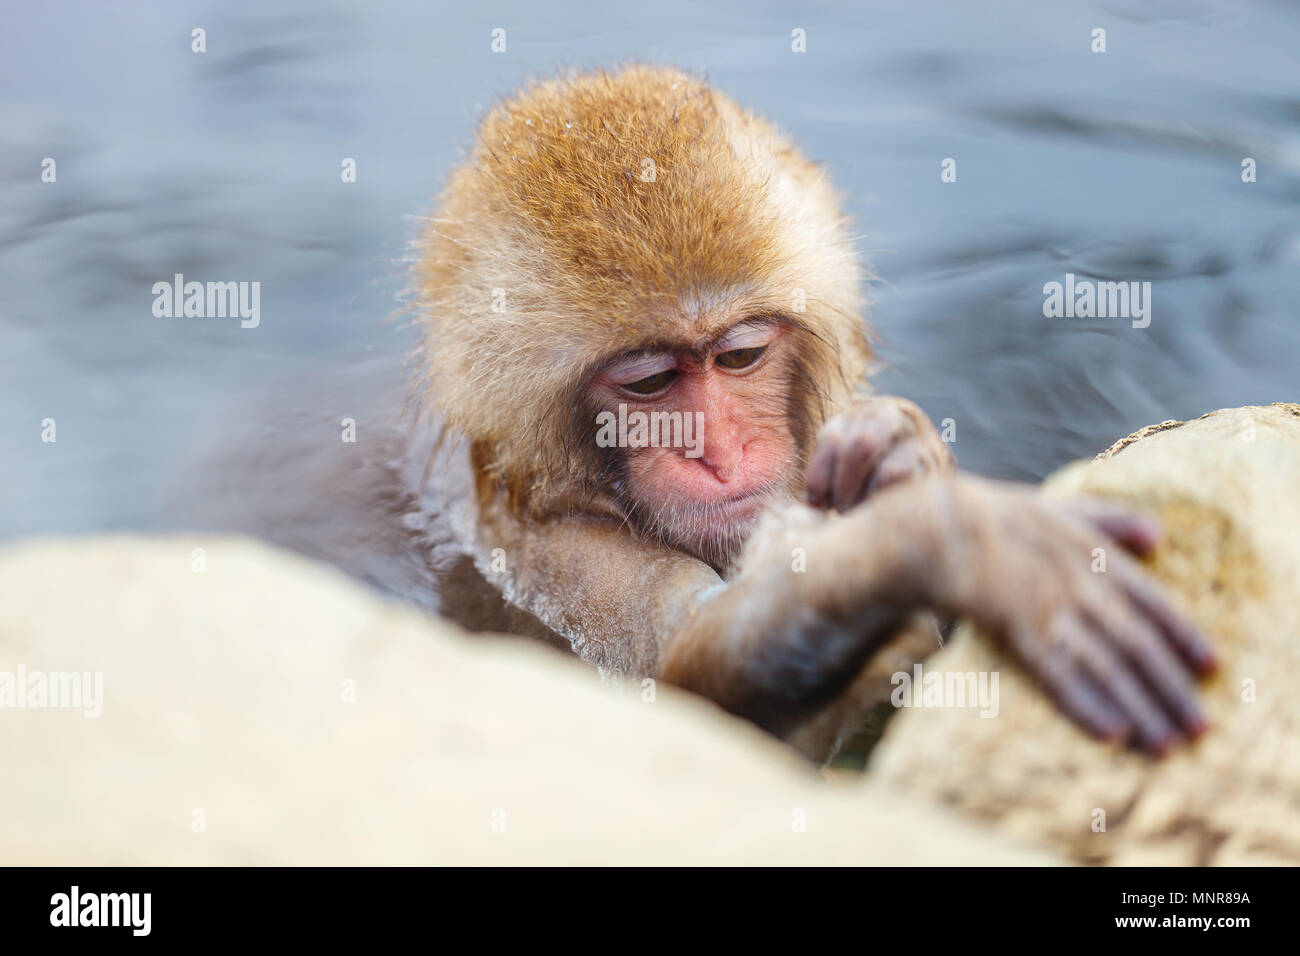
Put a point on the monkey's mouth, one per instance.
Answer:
(734, 516)
(715, 529)
(739, 507)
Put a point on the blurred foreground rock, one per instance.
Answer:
(1227, 488)
(226, 736)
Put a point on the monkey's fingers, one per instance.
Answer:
(1137, 532)
(1083, 702)
(903, 461)
(1140, 534)
(1184, 636)
(1152, 659)
(843, 462)
(867, 443)
(1155, 732)
(821, 470)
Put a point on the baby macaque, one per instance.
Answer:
(635, 242)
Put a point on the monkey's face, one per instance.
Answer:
(704, 435)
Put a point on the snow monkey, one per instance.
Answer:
(632, 246)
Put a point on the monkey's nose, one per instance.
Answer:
(723, 461)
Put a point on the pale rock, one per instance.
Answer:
(1227, 489)
(224, 694)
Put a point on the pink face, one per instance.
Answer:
(706, 498)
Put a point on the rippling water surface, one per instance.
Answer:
(1121, 165)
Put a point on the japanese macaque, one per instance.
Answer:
(635, 242)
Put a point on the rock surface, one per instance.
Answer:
(1227, 488)
(226, 736)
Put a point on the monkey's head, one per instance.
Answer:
(636, 239)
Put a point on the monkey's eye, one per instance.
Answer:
(740, 358)
(651, 383)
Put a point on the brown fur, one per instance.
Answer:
(550, 206)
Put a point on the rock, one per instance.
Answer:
(226, 735)
(1227, 488)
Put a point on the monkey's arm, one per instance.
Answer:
(616, 598)
(760, 646)
(1107, 647)
(776, 643)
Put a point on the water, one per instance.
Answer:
(225, 165)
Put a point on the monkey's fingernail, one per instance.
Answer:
(1122, 734)
(1160, 746)
(1111, 733)
(1150, 530)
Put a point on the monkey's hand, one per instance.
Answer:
(1044, 578)
(878, 442)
